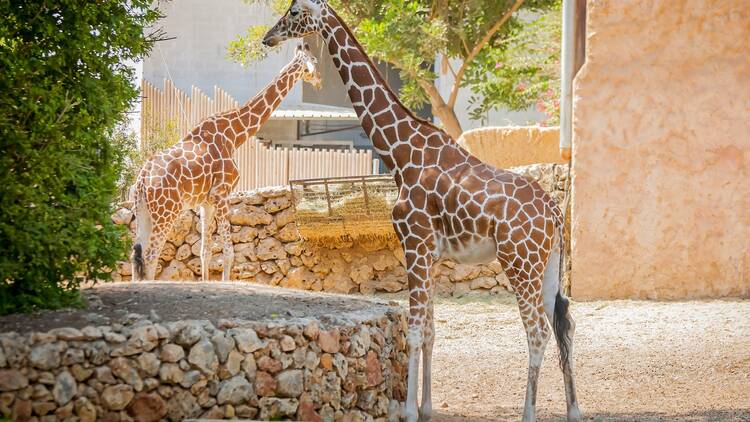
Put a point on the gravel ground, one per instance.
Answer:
(635, 361)
(172, 301)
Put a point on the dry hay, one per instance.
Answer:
(359, 209)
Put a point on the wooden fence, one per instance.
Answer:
(170, 113)
(261, 165)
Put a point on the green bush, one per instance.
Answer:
(65, 89)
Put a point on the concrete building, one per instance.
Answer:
(197, 56)
(661, 202)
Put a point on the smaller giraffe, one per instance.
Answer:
(199, 172)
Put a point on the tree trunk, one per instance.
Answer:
(443, 111)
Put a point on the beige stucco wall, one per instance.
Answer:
(510, 146)
(661, 152)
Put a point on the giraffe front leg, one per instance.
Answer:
(223, 228)
(425, 409)
(207, 213)
(418, 269)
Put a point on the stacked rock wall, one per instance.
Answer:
(144, 370)
(268, 250)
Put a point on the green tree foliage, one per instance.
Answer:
(471, 37)
(65, 89)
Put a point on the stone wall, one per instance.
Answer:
(268, 250)
(145, 370)
(661, 202)
(513, 146)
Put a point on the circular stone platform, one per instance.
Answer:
(174, 350)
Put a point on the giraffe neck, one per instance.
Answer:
(386, 121)
(256, 111)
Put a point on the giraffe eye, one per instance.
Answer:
(294, 12)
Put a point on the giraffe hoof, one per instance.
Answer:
(425, 411)
(574, 415)
(411, 415)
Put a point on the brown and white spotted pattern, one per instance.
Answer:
(451, 205)
(199, 172)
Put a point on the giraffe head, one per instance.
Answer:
(302, 18)
(309, 65)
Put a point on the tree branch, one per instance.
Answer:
(477, 48)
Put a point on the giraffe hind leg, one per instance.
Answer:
(207, 214)
(142, 238)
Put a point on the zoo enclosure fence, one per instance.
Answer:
(171, 113)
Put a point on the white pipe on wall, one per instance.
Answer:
(567, 56)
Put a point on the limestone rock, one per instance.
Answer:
(247, 339)
(189, 334)
(329, 340)
(234, 362)
(12, 380)
(46, 356)
(122, 216)
(273, 407)
(361, 273)
(235, 391)
(360, 342)
(288, 233)
(149, 364)
(244, 235)
(464, 272)
(171, 373)
(117, 397)
(483, 283)
(177, 271)
(294, 248)
(298, 278)
(172, 353)
(277, 204)
(181, 228)
(223, 344)
(85, 410)
(246, 270)
(122, 368)
(339, 283)
(203, 356)
(270, 249)
(372, 369)
(249, 215)
(265, 384)
(144, 337)
(168, 252)
(290, 383)
(65, 388)
(284, 217)
(182, 405)
(147, 407)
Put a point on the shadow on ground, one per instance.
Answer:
(506, 414)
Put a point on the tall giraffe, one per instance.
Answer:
(199, 172)
(451, 205)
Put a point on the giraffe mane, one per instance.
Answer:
(379, 78)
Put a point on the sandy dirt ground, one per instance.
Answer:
(635, 361)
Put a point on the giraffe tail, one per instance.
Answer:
(139, 267)
(562, 322)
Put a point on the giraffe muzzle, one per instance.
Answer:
(271, 40)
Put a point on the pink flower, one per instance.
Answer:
(498, 65)
(521, 86)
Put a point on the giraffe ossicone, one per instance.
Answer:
(199, 173)
(450, 204)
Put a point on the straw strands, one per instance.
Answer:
(334, 211)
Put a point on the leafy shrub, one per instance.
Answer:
(65, 88)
